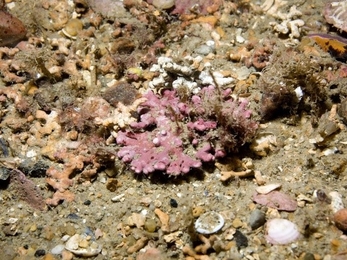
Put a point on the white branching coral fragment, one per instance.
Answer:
(290, 24)
(174, 75)
(167, 66)
(120, 117)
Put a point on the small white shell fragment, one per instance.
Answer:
(58, 249)
(172, 237)
(209, 223)
(118, 198)
(72, 245)
(336, 201)
(302, 197)
(268, 188)
(263, 144)
(330, 151)
(12, 220)
(299, 93)
(230, 233)
(281, 231)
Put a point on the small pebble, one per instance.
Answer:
(257, 219)
(72, 28)
(57, 249)
(150, 225)
(204, 50)
(237, 223)
(40, 252)
(87, 202)
(309, 256)
(197, 211)
(73, 216)
(48, 257)
(33, 228)
(112, 184)
(340, 219)
(173, 203)
(322, 196)
(241, 239)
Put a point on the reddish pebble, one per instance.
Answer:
(12, 30)
(340, 219)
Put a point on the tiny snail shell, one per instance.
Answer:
(73, 245)
(281, 231)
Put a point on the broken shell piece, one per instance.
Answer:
(173, 237)
(336, 201)
(209, 223)
(281, 231)
(268, 188)
(328, 125)
(75, 243)
(329, 151)
(264, 144)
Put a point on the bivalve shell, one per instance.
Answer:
(74, 245)
(268, 188)
(209, 223)
(72, 28)
(163, 4)
(281, 231)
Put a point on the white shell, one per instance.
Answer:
(281, 231)
(163, 4)
(336, 201)
(72, 245)
(209, 223)
(268, 188)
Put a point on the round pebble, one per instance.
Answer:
(257, 219)
(58, 249)
(197, 211)
(72, 28)
(39, 252)
(173, 203)
(309, 256)
(240, 239)
(340, 219)
(150, 225)
(204, 50)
